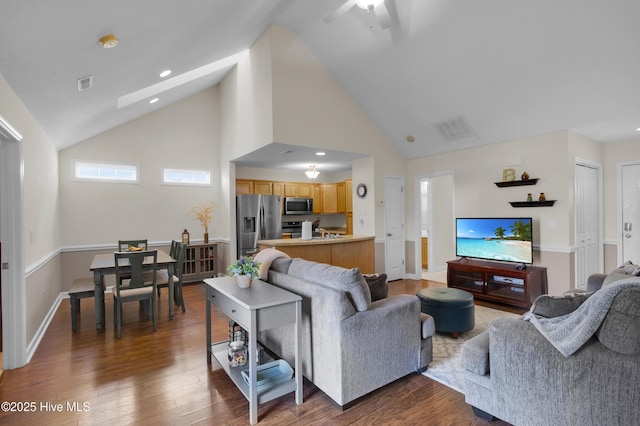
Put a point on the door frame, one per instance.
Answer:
(14, 324)
(579, 162)
(619, 208)
(417, 209)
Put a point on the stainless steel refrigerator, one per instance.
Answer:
(258, 217)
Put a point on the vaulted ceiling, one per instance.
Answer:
(505, 68)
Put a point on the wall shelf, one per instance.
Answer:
(547, 203)
(516, 183)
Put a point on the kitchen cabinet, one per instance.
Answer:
(348, 187)
(349, 223)
(244, 186)
(341, 197)
(290, 189)
(317, 199)
(278, 188)
(329, 193)
(305, 190)
(262, 187)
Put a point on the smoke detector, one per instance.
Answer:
(108, 41)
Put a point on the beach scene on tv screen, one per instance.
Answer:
(507, 239)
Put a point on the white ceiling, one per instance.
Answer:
(510, 68)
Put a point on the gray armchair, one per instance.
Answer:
(514, 373)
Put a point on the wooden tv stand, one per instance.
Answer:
(498, 282)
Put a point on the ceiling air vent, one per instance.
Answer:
(455, 130)
(85, 83)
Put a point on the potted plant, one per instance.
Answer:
(245, 270)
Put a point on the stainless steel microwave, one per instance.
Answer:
(298, 205)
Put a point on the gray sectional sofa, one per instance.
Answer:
(572, 360)
(350, 345)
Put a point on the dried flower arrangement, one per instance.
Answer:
(203, 213)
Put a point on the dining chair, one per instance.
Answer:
(177, 251)
(123, 245)
(132, 286)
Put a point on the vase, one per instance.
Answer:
(206, 238)
(244, 281)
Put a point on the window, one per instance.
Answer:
(186, 177)
(105, 172)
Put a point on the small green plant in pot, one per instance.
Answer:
(245, 270)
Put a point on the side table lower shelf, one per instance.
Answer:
(219, 352)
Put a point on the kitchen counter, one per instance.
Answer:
(348, 251)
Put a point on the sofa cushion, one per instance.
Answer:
(348, 280)
(377, 286)
(620, 330)
(624, 271)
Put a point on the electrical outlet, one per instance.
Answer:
(381, 203)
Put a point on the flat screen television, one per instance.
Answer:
(506, 239)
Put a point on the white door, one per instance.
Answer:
(630, 214)
(394, 227)
(587, 223)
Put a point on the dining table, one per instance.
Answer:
(104, 264)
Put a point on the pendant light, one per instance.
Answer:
(312, 173)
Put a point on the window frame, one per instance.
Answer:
(208, 173)
(105, 165)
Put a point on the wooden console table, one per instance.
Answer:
(498, 282)
(259, 307)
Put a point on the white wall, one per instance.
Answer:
(41, 239)
(182, 135)
(476, 195)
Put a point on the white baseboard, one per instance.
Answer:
(33, 345)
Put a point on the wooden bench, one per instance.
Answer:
(81, 287)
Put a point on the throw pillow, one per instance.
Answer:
(377, 285)
(624, 271)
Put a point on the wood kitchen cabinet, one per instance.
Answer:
(317, 199)
(348, 190)
(290, 189)
(329, 193)
(262, 187)
(244, 186)
(341, 196)
(305, 190)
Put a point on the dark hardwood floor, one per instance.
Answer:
(163, 378)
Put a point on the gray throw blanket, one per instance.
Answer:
(567, 333)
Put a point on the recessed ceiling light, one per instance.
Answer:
(154, 100)
(108, 41)
(320, 153)
(410, 138)
(165, 73)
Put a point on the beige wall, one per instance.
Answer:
(41, 211)
(475, 171)
(183, 135)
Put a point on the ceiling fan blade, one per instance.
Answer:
(382, 13)
(340, 11)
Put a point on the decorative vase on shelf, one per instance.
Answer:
(529, 198)
(206, 238)
(244, 281)
(525, 176)
(542, 197)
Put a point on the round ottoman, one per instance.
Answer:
(452, 309)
